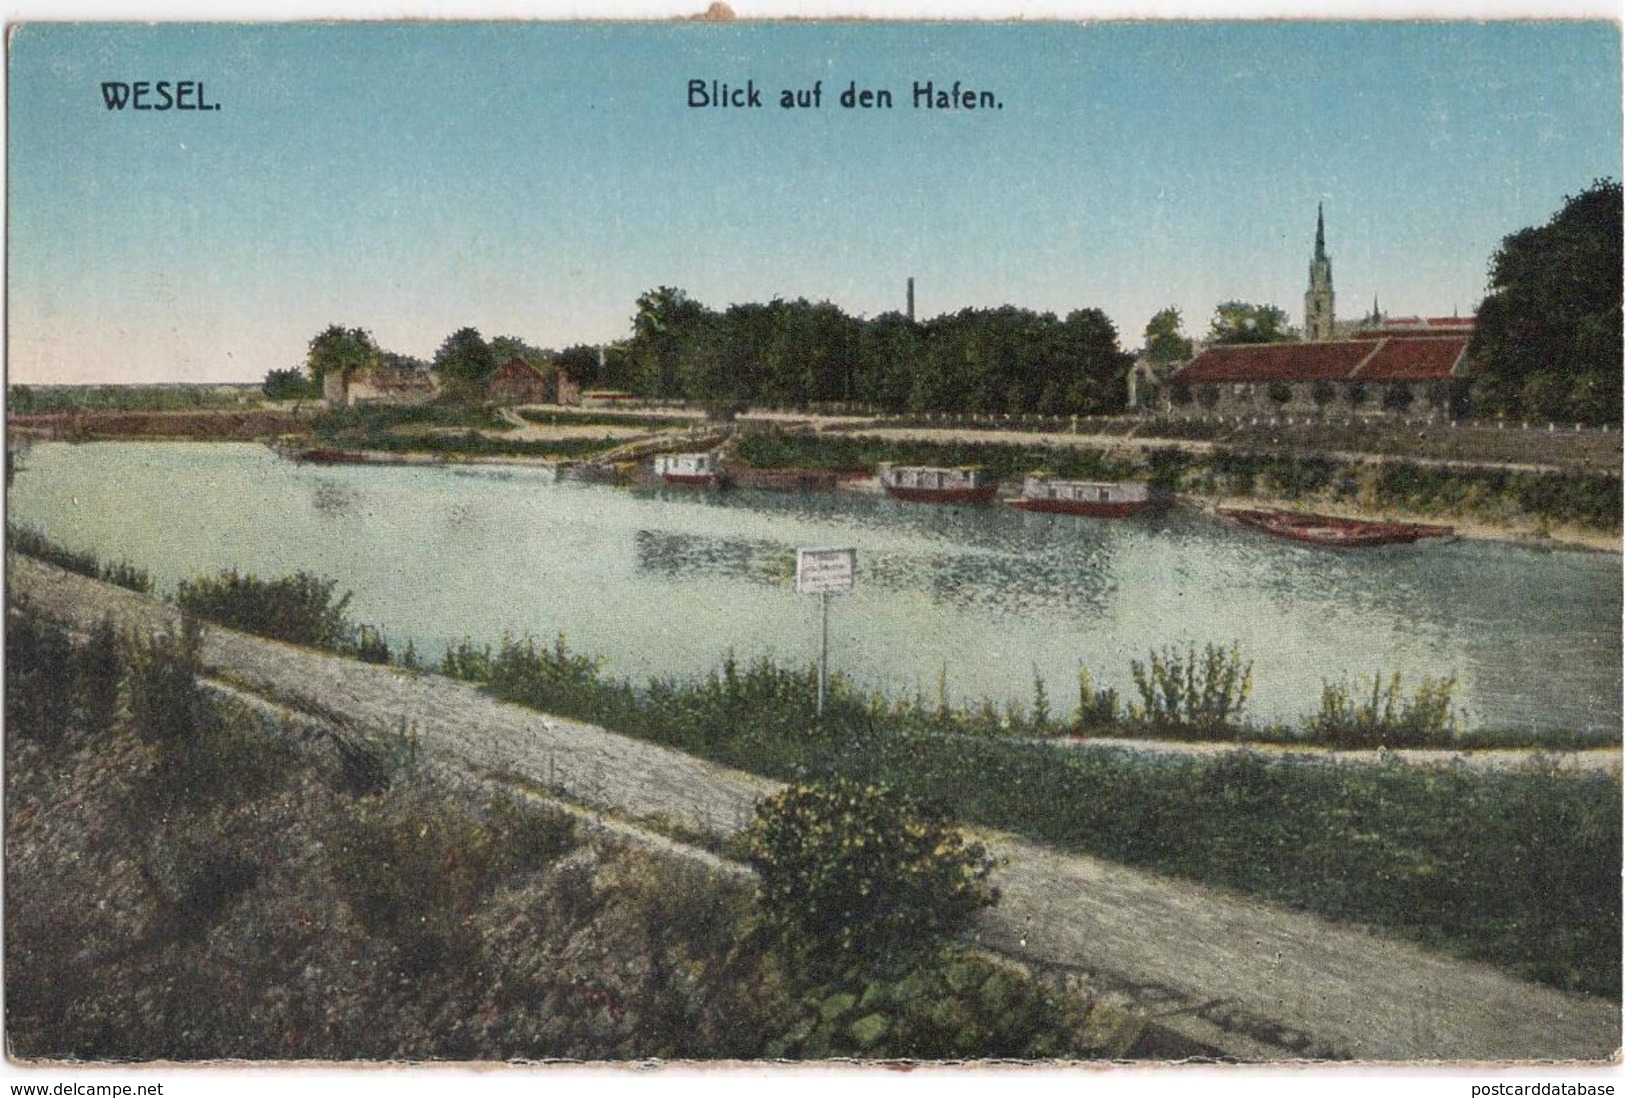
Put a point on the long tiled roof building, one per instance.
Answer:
(1386, 366)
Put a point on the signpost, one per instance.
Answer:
(825, 572)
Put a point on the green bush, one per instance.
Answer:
(33, 543)
(412, 865)
(1201, 695)
(299, 609)
(1348, 718)
(166, 702)
(39, 677)
(951, 1005)
(862, 873)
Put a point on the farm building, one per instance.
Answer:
(519, 382)
(378, 385)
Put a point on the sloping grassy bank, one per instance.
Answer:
(1515, 866)
(187, 879)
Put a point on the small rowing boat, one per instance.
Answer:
(1336, 533)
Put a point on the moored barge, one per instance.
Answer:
(931, 484)
(694, 469)
(1099, 499)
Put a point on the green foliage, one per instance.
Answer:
(299, 609)
(1348, 718)
(1241, 322)
(412, 865)
(845, 453)
(952, 1004)
(40, 679)
(1165, 340)
(33, 543)
(864, 874)
(1098, 709)
(1198, 695)
(370, 645)
(337, 349)
(166, 703)
(1548, 338)
(602, 419)
(1004, 360)
(289, 384)
(465, 364)
(47, 399)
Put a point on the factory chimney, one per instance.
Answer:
(911, 300)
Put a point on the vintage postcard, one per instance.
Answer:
(744, 542)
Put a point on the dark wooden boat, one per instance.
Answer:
(1337, 533)
(1098, 499)
(930, 484)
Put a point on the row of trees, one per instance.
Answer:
(796, 352)
(1547, 346)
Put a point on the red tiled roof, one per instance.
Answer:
(1275, 362)
(1413, 359)
(1452, 321)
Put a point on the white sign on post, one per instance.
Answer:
(825, 571)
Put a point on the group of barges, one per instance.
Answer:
(1094, 499)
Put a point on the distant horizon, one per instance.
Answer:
(533, 179)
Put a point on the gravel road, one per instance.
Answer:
(1276, 982)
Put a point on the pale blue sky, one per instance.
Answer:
(534, 179)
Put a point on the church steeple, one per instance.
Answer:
(1319, 314)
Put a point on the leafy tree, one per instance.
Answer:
(665, 325)
(580, 362)
(1280, 393)
(1398, 396)
(1165, 339)
(1241, 322)
(465, 364)
(1548, 339)
(506, 348)
(340, 349)
(289, 384)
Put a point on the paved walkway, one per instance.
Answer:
(1291, 981)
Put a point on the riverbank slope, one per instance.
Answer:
(1284, 981)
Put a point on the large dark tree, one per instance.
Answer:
(667, 324)
(1547, 344)
(465, 364)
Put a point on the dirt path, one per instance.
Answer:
(1276, 982)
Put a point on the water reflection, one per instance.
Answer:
(673, 555)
